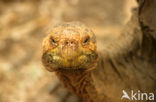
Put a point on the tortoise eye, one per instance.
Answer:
(86, 40)
(53, 41)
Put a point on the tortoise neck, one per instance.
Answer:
(78, 81)
(73, 77)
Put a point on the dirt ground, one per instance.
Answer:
(24, 24)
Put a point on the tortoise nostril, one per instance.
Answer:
(70, 43)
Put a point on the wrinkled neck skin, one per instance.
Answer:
(79, 82)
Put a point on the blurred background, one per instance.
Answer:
(24, 24)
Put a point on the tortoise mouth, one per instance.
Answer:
(54, 62)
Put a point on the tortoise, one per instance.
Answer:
(104, 73)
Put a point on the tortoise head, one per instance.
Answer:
(69, 46)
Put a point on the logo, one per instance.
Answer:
(137, 95)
